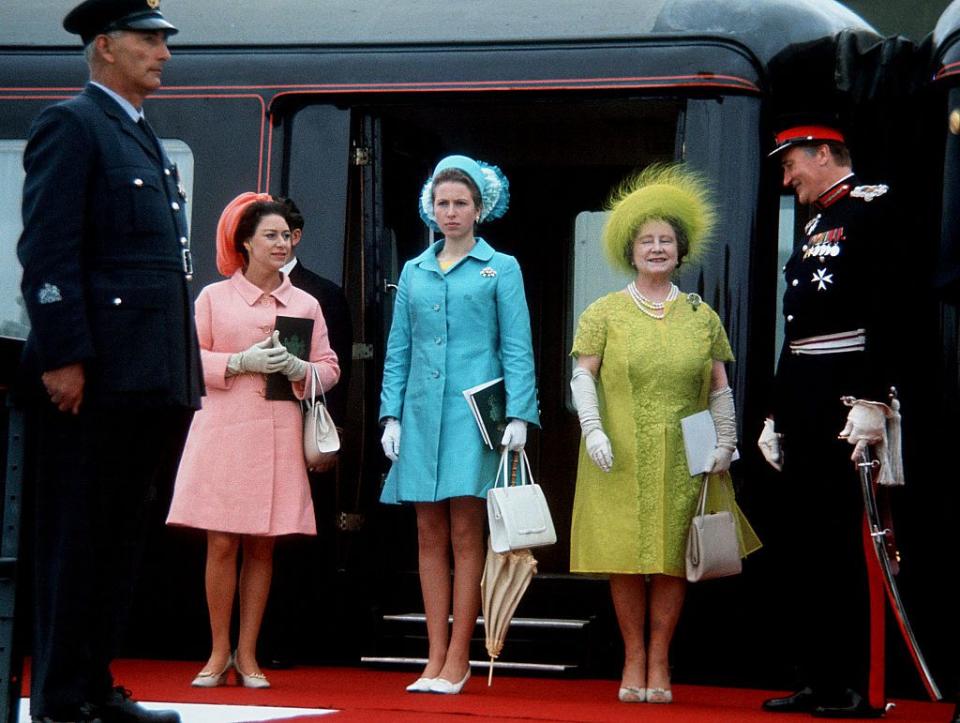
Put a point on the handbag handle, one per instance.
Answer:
(702, 503)
(505, 473)
(314, 383)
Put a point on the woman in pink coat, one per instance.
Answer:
(242, 477)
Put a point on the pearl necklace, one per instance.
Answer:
(653, 309)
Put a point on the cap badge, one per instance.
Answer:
(153, 4)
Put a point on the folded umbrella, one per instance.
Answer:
(506, 576)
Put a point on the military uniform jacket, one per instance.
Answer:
(838, 280)
(452, 331)
(103, 255)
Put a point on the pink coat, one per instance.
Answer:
(242, 469)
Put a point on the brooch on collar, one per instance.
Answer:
(694, 300)
(487, 272)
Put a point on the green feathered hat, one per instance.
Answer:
(665, 192)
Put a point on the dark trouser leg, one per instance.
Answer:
(831, 592)
(96, 473)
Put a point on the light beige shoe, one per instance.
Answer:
(420, 685)
(253, 680)
(629, 694)
(210, 679)
(659, 695)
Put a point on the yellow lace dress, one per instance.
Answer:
(634, 519)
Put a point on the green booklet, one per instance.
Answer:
(296, 333)
(488, 402)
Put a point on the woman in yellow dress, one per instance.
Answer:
(647, 356)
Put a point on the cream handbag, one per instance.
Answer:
(320, 436)
(518, 514)
(713, 549)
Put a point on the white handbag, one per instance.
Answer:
(518, 514)
(713, 549)
(320, 436)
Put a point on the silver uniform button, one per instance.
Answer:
(184, 242)
(789, 317)
(166, 171)
(117, 301)
(175, 206)
(138, 182)
(794, 282)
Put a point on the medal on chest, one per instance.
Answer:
(824, 244)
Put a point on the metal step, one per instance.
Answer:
(549, 623)
(499, 665)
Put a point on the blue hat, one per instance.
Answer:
(490, 181)
(95, 17)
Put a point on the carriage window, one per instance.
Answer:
(785, 239)
(13, 316)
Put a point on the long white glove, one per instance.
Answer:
(515, 435)
(725, 422)
(390, 441)
(584, 389)
(264, 357)
(769, 444)
(295, 369)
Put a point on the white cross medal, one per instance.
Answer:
(821, 278)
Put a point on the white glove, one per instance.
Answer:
(515, 435)
(725, 422)
(599, 449)
(769, 444)
(866, 424)
(264, 357)
(390, 441)
(295, 369)
(584, 389)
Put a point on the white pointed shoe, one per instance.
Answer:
(441, 685)
(210, 679)
(420, 685)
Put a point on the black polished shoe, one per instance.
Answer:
(121, 708)
(803, 701)
(855, 706)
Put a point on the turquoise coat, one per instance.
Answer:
(452, 331)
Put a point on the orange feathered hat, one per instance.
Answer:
(228, 258)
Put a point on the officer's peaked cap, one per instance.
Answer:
(94, 17)
(807, 129)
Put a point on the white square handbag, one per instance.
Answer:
(518, 514)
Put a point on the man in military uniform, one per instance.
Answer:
(111, 369)
(836, 344)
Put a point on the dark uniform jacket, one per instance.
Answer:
(336, 314)
(838, 279)
(103, 252)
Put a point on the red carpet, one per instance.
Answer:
(376, 696)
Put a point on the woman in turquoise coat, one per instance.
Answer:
(460, 319)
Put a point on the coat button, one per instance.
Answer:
(184, 241)
(794, 282)
(436, 307)
(436, 374)
(117, 301)
(439, 340)
(789, 317)
(138, 182)
(175, 206)
(166, 171)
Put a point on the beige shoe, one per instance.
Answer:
(253, 680)
(210, 679)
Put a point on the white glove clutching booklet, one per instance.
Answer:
(699, 441)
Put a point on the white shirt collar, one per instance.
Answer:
(128, 107)
(288, 267)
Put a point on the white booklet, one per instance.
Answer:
(699, 441)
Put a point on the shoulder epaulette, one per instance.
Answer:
(868, 193)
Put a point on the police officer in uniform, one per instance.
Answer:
(836, 344)
(111, 369)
